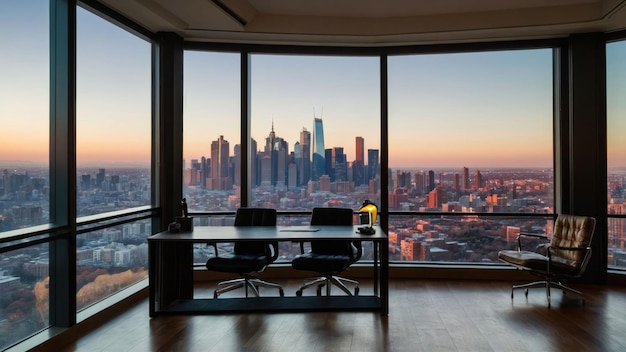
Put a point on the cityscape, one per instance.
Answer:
(441, 224)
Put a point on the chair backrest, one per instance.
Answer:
(333, 216)
(254, 217)
(572, 231)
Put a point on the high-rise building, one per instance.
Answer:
(237, 165)
(465, 182)
(372, 164)
(304, 159)
(431, 180)
(478, 180)
(319, 164)
(340, 164)
(329, 163)
(436, 198)
(456, 183)
(420, 182)
(100, 177)
(254, 168)
(358, 167)
(219, 179)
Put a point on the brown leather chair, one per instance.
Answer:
(563, 256)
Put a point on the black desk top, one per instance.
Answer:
(265, 233)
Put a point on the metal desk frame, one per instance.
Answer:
(171, 271)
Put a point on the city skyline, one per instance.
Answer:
(438, 95)
(431, 96)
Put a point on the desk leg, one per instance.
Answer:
(171, 274)
(384, 277)
(152, 276)
(375, 244)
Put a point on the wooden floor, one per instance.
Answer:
(423, 316)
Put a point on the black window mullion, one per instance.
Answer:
(63, 161)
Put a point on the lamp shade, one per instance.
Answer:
(371, 208)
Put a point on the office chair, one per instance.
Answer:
(329, 257)
(247, 256)
(565, 256)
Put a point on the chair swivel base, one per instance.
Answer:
(248, 283)
(547, 284)
(328, 281)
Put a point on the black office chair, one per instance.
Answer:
(247, 256)
(329, 257)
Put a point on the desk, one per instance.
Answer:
(171, 271)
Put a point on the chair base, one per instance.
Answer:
(249, 283)
(547, 284)
(328, 281)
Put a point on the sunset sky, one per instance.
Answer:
(446, 110)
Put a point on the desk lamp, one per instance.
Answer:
(367, 216)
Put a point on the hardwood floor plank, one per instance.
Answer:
(424, 315)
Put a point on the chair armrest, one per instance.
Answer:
(536, 235)
(528, 234)
(357, 251)
(214, 245)
(272, 248)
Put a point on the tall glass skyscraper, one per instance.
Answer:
(304, 159)
(319, 164)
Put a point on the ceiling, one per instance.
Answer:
(372, 22)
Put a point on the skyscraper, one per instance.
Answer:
(219, 164)
(465, 183)
(360, 149)
(319, 164)
(304, 160)
(358, 167)
(340, 164)
(431, 180)
(372, 164)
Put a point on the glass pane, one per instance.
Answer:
(24, 113)
(616, 151)
(470, 133)
(460, 238)
(24, 293)
(109, 260)
(315, 131)
(113, 113)
(211, 147)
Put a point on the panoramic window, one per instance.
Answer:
(469, 133)
(113, 117)
(211, 134)
(24, 114)
(315, 131)
(24, 160)
(315, 135)
(113, 147)
(616, 152)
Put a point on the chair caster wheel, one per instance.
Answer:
(299, 293)
(356, 291)
(215, 295)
